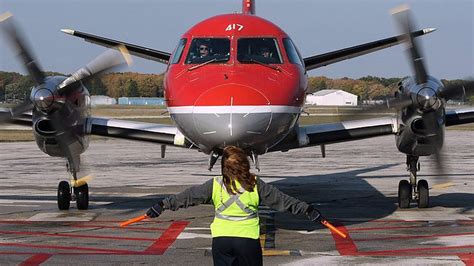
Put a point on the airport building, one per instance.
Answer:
(332, 97)
(141, 101)
(102, 100)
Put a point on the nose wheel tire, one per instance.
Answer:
(64, 195)
(404, 194)
(423, 194)
(82, 197)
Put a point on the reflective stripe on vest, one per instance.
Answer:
(233, 198)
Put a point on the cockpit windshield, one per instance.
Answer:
(208, 50)
(261, 50)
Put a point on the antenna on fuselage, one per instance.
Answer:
(248, 7)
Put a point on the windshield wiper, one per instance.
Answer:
(265, 64)
(207, 62)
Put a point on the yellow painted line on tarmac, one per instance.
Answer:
(268, 252)
(275, 252)
(279, 252)
(444, 185)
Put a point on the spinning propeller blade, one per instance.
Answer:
(107, 61)
(403, 18)
(16, 40)
(20, 46)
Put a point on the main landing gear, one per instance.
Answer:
(75, 190)
(412, 190)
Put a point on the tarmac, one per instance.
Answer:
(355, 187)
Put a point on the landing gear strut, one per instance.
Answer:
(413, 190)
(74, 191)
(213, 159)
(255, 160)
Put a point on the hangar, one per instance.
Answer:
(332, 97)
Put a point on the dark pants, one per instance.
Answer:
(236, 251)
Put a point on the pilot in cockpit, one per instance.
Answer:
(204, 50)
(265, 52)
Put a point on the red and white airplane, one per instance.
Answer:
(233, 79)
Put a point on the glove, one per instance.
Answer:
(155, 211)
(313, 214)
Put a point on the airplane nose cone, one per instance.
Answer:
(232, 94)
(232, 114)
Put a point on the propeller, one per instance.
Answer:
(426, 94)
(426, 97)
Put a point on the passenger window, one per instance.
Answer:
(258, 50)
(212, 50)
(293, 54)
(178, 52)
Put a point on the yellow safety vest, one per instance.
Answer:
(235, 215)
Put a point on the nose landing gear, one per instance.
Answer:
(412, 190)
(75, 190)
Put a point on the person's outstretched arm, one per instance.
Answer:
(274, 198)
(190, 197)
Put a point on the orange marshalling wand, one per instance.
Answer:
(134, 220)
(334, 229)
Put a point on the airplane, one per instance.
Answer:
(233, 79)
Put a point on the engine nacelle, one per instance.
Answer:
(59, 122)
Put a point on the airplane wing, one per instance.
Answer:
(113, 128)
(140, 51)
(321, 134)
(22, 120)
(141, 131)
(355, 51)
(459, 117)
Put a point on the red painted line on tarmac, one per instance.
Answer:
(118, 227)
(130, 253)
(16, 222)
(468, 259)
(36, 259)
(345, 246)
(103, 250)
(167, 238)
(404, 227)
(74, 235)
(120, 221)
(409, 237)
(414, 250)
(414, 221)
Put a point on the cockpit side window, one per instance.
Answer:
(262, 50)
(212, 50)
(293, 54)
(178, 52)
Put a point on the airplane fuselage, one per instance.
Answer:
(238, 95)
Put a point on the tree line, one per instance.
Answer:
(14, 86)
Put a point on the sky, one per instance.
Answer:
(316, 26)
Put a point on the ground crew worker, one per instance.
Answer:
(235, 196)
